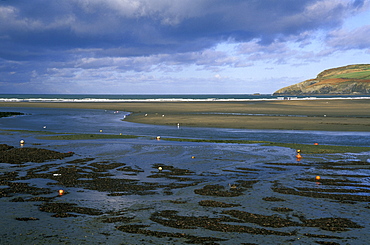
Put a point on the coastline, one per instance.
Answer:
(318, 114)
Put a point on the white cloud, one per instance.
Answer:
(354, 39)
(217, 76)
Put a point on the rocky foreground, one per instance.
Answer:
(9, 154)
(9, 114)
(220, 208)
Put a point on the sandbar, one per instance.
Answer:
(318, 114)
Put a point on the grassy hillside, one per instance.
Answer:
(352, 79)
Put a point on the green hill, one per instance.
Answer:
(351, 79)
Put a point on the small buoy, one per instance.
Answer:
(158, 137)
(178, 125)
(193, 157)
(61, 192)
(101, 130)
(316, 143)
(160, 168)
(21, 142)
(120, 133)
(298, 151)
(146, 115)
(44, 127)
(162, 115)
(298, 156)
(317, 177)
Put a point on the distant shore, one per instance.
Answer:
(321, 115)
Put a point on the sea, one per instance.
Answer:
(161, 97)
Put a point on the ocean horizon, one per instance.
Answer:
(162, 97)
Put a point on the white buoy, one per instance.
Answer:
(160, 168)
(158, 137)
(21, 142)
(44, 127)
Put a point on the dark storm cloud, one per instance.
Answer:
(147, 27)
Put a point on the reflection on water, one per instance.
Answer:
(92, 121)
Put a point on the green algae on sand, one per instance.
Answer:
(48, 135)
(307, 149)
(28, 131)
(86, 137)
(321, 149)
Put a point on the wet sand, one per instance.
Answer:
(321, 115)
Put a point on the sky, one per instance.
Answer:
(176, 46)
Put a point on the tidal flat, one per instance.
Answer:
(204, 186)
(317, 114)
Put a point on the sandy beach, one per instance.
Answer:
(321, 115)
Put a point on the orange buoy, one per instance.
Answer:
(317, 177)
(298, 156)
(193, 157)
(316, 143)
(61, 192)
